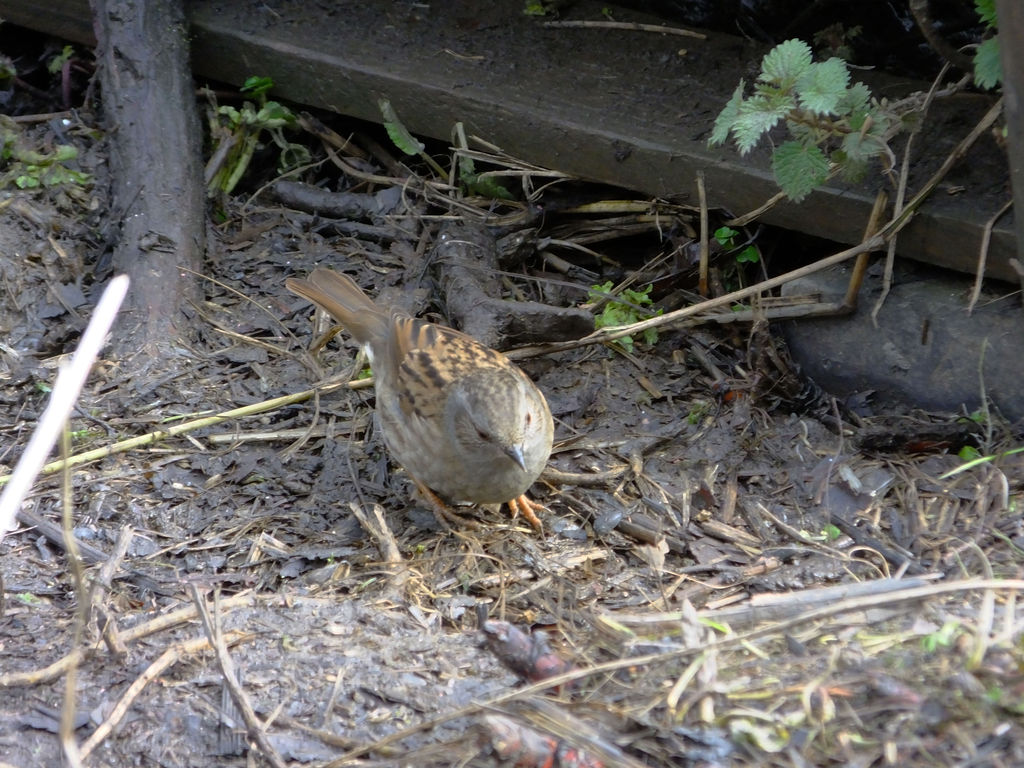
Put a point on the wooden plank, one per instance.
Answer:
(621, 107)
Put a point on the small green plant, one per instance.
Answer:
(971, 461)
(477, 184)
(626, 310)
(473, 183)
(968, 453)
(822, 111)
(402, 138)
(56, 64)
(240, 130)
(7, 71)
(698, 410)
(988, 70)
(28, 168)
(538, 8)
(941, 638)
(978, 416)
(726, 237)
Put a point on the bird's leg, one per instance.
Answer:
(523, 504)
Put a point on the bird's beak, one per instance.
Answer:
(515, 452)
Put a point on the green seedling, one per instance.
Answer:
(237, 133)
(79, 435)
(473, 183)
(626, 310)
(698, 410)
(30, 169)
(726, 237)
(538, 8)
(479, 184)
(968, 453)
(831, 532)
(57, 63)
(971, 463)
(7, 70)
(402, 138)
(941, 638)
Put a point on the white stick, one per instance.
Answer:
(70, 380)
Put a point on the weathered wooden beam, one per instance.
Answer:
(622, 107)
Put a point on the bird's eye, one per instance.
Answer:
(483, 435)
(529, 418)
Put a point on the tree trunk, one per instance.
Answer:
(1011, 28)
(156, 171)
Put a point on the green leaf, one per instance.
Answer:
(232, 114)
(7, 68)
(274, 111)
(854, 169)
(727, 117)
(986, 11)
(822, 86)
(624, 312)
(57, 62)
(479, 184)
(257, 86)
(799, 169)
(855, 149)
(785, 63)
(988, 71)
(725, 235)
(968, 453)
(640, 298)
(854, 100)
(756, 118)
(807, 134)
(601, 291)
(748, 255)
(397, 132)
(64, 152)
(536, 8)
(483, 186)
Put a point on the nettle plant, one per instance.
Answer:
(832, 124)
(988, 73)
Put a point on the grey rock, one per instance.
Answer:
(926, 351)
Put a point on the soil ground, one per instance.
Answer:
(701, 496)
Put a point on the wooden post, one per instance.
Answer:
(1011, 35)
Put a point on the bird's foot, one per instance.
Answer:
(525, 506)
(445, 515)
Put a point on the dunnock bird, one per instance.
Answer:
(462, 419)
